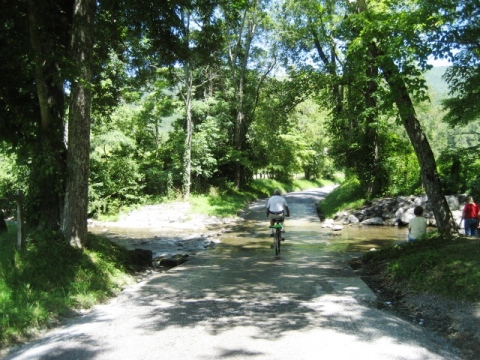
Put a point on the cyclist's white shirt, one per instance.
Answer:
(276, 203)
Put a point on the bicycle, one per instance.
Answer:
(277, 236)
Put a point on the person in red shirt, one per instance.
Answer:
(470, 216)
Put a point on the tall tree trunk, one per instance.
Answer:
(426, 159)
(433, 187)
(371, 130)
(187, 155)
(74, 226)
(48, 38)
(241, 54)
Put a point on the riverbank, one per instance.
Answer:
(396, 211)
(172, 231)
(433, 283)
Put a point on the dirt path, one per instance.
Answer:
(238, 301)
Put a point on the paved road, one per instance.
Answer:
(239, 302)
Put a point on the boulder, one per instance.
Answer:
(373, 221)
(174, 261)
(352, 219)
(453, 202)
(407, 216)
(328, 223)
(141, 258)
(396, 211)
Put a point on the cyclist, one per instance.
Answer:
(277, 208)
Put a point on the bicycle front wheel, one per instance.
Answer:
(278, 239)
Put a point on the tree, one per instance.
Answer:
(312, 32)
(244, 28)
(59, 38)
(455, 37)
(401, 96)
(49, 24)
(183, 36)
(74, 225)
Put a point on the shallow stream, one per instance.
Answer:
(255, 234)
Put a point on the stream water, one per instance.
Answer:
(354, 238)
(254, 234)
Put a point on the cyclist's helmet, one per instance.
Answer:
(277, 192)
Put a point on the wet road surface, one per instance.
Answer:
(238, 301)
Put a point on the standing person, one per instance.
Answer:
(418, 225)
(277, 208)
(470, 216)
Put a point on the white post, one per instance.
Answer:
(20, 228)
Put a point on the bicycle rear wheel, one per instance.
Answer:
(278, 239)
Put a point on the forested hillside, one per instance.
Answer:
(438, 87)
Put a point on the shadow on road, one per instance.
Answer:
(239, 301)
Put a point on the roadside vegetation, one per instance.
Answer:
(347, 196)
(445, 266)
(448, 266)
(229, 202)
(50, 279)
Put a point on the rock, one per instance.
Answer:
(141, 257)
(373, 221)
(337, 227)
(391, 222)
(453, 202)
(407, 216)
(396, 211)
(340, 216)
(168, 263)
(352, 219)
(328, 223)
(457, 215)
(174, 261)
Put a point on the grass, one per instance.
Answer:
(40, 284)
(229, 202)
(445, 266)
(347, 196)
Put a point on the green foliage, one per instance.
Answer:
(434, 265)
(348, 195)
(228, 201)
(290, 128)
(115, 180)
(210, 142)
(7, 182)
(401, 165)
(42, 282)
(460, 171)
